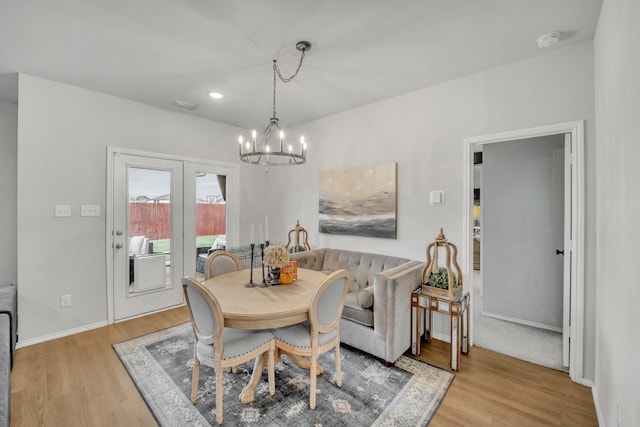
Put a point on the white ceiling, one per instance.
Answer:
(157, 51)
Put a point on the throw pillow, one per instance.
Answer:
(365, 297)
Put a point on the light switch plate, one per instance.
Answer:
(90, 210)
(62, 211)
(436, 198)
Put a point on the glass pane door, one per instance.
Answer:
(211, 216)
(149, 228)
(147, 234)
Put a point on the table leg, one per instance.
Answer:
(465, 330)
(453, 342)
(302, 362)
(247, 396)
(428, 329)
(415, 336)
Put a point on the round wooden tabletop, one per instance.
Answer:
(263, 308)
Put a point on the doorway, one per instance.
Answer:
(567, 320)
(159, 211)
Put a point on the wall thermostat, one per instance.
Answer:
(436, 198)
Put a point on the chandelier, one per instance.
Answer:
(270, 148)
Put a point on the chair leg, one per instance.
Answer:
(338, 367)
(219, 373)
(272, 369)
(194, 379)
(313, 377)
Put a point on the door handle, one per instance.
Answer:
(559, 252)
(118, 232)
(118, 245)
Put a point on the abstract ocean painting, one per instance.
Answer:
(359, 201)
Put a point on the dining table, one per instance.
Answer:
(264, 307)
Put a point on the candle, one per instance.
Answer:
(253, 237)
(260, 232)
(266, 228)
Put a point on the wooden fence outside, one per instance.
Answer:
(153, 220)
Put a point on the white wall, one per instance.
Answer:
(617, 94)
(63, 132)
(8, 196)
(423, 132)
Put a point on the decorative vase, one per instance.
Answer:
(274, 274)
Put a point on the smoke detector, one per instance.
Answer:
(183, 105)
(548, 39)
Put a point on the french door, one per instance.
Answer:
(160, 208)
(147, 245)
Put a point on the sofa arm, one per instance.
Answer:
(9, 305)
(312, 260)
(5, 370)
(392, 306)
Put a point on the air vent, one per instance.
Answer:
(183, 105)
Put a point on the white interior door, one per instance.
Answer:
(522, 227)
(147, 245)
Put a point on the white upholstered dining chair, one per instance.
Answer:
(220, 262)
(219, 347)
(322, 332)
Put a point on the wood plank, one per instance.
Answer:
(79, 381)
(491, 389)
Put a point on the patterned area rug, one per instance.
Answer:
(406, 394)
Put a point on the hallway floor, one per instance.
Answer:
(524, 342)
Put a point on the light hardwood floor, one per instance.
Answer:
(79, 381)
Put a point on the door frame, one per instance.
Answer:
(233, 208)
(576, 130)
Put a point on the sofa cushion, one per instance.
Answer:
(362, 266)
(364, 297)
(354, 312)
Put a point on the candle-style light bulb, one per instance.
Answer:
(248, 145)
(254, 135)
(281, 140)
(240, 141)
(290, 149)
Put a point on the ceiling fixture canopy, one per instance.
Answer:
(270, 148)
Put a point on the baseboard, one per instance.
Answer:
(440, 336)
(60, 334)
(596, 403)
(521, 321)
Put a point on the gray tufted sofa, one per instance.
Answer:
(377, 314)
(8, 338)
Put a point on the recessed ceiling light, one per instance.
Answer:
(215, 95)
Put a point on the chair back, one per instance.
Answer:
(205, 312)
(221, 262)
(327, 302)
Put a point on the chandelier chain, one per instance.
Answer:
(276, 70)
